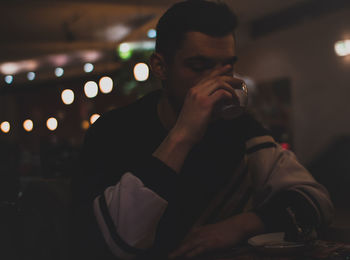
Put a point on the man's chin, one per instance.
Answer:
(214, 117)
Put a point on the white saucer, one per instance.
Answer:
(275, 243)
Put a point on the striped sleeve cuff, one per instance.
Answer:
(128, 215)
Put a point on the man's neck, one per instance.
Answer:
(166, 113)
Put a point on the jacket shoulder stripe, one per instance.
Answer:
(260, 146)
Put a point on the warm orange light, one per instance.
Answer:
(91, 89)
(141, 72)
(28, 125)
(85, 124)
(5, 127)
(52, 123)
(106, 84)
(67, 96)
(342, 48)
(93, 118)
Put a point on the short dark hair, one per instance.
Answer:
(214, 19)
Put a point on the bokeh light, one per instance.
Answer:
(91, 89)
(106, 84)
(342, 48)
(5, 127)
(141, 71)
(9, 68)
(285, 146)
(28, 125)
(152, 33)
(67, 96)
(12, 68)
(31, 75)
(124, 51)
(8, 79)
(52, 123)
(124, 47)
(59, 72)
(93, 118)
(85, 124)
(88, 67)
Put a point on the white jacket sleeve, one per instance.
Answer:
(128, 215)
(274, 170)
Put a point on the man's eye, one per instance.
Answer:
(230, 63)
(200, 67)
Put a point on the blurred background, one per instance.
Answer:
(64, 63)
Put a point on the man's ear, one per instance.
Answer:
(158, 66)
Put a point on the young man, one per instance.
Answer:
(168, 176)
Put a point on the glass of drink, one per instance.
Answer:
(238, 104)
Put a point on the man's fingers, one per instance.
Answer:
(234, 82)
(223, 92)
(188, 250)
(196, 251)
(221, 70)
(190, 236)
(183, 249)
(216, 85)
(225, 82)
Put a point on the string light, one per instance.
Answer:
(28, 125)
(91, 89)
(93, 118)
(85, 124)
(31, 76)
(67, 96)
(141, 71)
(88, 67)
(106, 84)
(152, 33)
(59, 72)
(5, 127)
(52, 123)
(342, 48)
(8, 79)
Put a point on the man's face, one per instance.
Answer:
(197, 57)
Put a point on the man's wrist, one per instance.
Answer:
(182, 138)
(248, 224)
(255, 224)
(173, 151)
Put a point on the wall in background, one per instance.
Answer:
(320, 80)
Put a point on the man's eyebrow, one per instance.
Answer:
(201, 58)
(232, 60)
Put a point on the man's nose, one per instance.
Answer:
(229, 71)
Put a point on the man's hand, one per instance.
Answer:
(195, 115)
(200, 102)
(221, 235)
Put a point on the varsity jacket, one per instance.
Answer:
(137, 204)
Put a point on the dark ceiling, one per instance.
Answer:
(42, 34)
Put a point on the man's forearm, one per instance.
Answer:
(173, 151)
(248, 224)
(221, 235)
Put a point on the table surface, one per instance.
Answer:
(320, 250)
